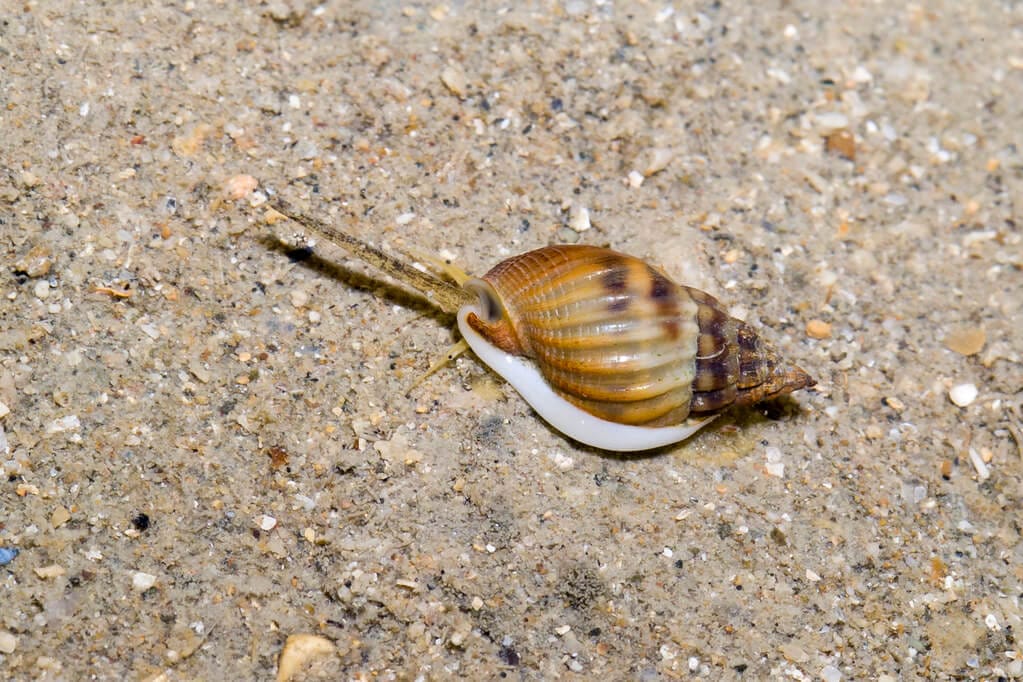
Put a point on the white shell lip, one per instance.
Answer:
(561, 414)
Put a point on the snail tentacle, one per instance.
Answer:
(446, 296)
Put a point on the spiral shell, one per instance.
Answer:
(616, 338)
(606, 348)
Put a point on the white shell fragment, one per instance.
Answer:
(580, 221)
(658, 159)
(8, 642)
(68, 423)
(983, 472)
(774, 466)
(963, 394)
(830, 121)
(140, 582)
(454, 79)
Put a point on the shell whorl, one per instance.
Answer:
(617, 338)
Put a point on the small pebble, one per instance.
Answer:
(41, 289)
(266, 522)
(59, 517)
(580, 219)
(658, 160)
(51, 571)
(4, 410)
(794, 653)
(774, 466)
(36, 262)
(895, 403)
(240, 186)
(635, 179)
(963, 394)
(8, 642)
(830, 673)
(841, 142)
(983, 473)
(150, 330)
(68, 423)
(7, 555)
(298, 651)
(818, 329)
(562, 461)
(454, 80)
(299, 298)
(29, 179)
(966, 340)
(140, 582)
(830, 121)
(566, 235)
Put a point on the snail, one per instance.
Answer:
(605, 347)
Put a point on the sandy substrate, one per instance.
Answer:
(210, 444)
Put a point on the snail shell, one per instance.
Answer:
(613, 353)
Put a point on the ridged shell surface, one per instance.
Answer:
(615, 337)
(611, 334)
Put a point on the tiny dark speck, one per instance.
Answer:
(141, 522)
(557, 104)
(508, 655)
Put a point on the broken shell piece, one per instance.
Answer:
(963, 394)
(299, 650)
(36, 262)
(657, 160)
(240, 186)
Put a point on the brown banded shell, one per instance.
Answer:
(618, 339)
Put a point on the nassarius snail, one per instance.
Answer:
(606, 348)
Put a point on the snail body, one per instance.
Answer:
(613, 353)
(605, 347)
